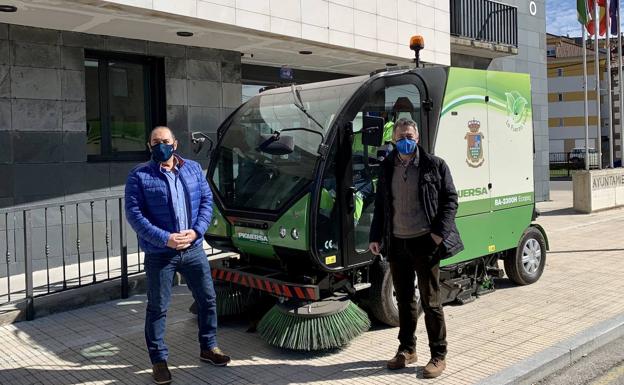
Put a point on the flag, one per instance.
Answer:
(614, 12)
(602, 20)
(582, 12)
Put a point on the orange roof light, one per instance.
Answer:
(417, 42)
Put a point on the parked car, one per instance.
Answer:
(577, 157)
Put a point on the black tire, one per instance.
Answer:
(526, 263)
(381, 301)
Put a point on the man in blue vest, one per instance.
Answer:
(169, 205)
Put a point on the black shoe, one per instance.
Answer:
(215, 356)
(161, 373)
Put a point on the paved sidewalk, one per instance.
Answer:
(581, 287)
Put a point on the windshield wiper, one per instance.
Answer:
(299, 103)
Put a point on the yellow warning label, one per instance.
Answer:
(331, 259)
(492, 248)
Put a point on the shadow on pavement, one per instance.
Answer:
(105, 343)
(558, 212)
(193, 373)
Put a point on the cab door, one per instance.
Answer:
(392, 98)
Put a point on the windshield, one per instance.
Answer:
(248, 174)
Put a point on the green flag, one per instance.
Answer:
(582, 12)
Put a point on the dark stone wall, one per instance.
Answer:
(43, 137)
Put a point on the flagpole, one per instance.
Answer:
(586, 104)
(619, 32)
(597, 73)
(609, 90)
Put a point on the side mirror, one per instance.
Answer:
(198, 139)
(372, 131)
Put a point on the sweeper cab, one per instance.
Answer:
(294, 174)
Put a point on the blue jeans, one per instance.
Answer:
(160, 270)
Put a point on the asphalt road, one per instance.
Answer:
(605, 366)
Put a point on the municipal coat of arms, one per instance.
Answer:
(474, 139)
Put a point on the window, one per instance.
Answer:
(125, 100)
(251, 90)
(559, 72)
(560, 122)
(551, 52)
(250, 174)
(560, 97)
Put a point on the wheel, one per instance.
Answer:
(382, 302)
(525, 264)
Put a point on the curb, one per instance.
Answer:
(560, 355)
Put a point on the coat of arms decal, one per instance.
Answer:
(474, 139)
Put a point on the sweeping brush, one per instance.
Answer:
(322, 325)
(230, 301)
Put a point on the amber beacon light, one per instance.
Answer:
(417, 43)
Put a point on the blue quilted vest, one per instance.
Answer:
(149, 207)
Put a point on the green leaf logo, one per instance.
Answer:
(516, 110)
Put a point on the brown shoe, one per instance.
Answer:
(161, 373)
(401, 359)
(215, 356)
(434, 368)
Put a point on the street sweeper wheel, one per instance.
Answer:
(525, 264)
(327, 324)
(382, 302)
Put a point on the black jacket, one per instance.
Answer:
(438, 197)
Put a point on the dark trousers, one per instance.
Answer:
(160, 270)
(410, 258)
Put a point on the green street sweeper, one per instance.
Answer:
(294, 173)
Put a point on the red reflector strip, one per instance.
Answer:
(299, 292)
(265, 285)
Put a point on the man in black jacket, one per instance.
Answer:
(414, 223)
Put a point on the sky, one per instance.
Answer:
(561, 17)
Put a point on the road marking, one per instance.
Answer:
(613, 374)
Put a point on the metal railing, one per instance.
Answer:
(562, 164)
(50, 248)
(485, 20)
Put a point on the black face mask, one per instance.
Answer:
(161, 152)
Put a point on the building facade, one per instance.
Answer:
(83, 82)
(566, 95)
